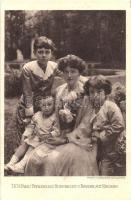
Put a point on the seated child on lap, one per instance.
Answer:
(42, 126)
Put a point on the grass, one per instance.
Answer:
(10, 142)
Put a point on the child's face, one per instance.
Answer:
(43, 55)
(97, 96)
(47, 106)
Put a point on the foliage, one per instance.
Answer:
(13, 84)
(93, 35)
(14, 30)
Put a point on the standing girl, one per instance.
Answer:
(37, 80)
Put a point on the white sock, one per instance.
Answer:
(23, 161)
(14, 159)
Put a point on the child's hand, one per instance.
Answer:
(27, 120)
(44, 137)
(29, 130)
(55, 133)
(56, 140)
(23, 138)
(96, 134)
(103, 137)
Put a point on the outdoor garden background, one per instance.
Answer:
(96, 36)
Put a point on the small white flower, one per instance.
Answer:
(71, 97)
(66, 115)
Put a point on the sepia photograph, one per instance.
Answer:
(65, 93)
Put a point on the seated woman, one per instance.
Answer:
(72, 153)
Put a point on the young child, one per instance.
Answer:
(37, 81)
(42, 126)
(118, 95)
(107, 122)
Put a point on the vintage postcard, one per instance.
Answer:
(65, 99)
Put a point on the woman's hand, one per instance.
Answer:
(56, 140)
(66, 115)
(83, 142)
(103, 136)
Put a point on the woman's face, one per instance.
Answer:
(97, 96)
(43, 55)
(71, 75)
(47, 106)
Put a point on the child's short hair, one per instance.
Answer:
(71, 61)
(45, 42)
(98, 82)
(118, 92)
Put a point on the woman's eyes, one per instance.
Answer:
(70, 72)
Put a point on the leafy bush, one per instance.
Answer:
(13, 86)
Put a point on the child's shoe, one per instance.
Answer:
(17, 168)
(20, 166)
(11, 163)
(7, 167)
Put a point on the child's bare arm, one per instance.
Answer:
(55, 130)
(29, 129)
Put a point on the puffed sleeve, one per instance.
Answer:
(27, 90)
